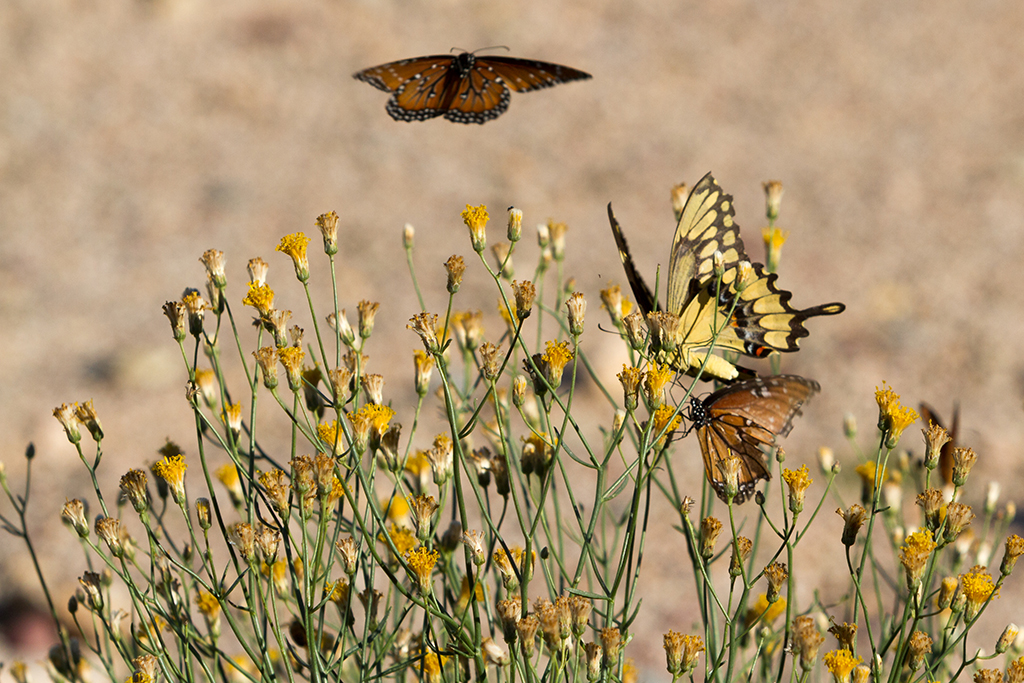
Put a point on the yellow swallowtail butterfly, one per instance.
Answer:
(762, 320)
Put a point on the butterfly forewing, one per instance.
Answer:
(706, 225)
(393, 75)
(745, 419)
(644, 298)
(524, 75)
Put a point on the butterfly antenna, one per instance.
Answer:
(493, 47)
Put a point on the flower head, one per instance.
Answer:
(710, 528)
(425, 325)
(524, 292)
(577, 306)
(963, 461)
(421, 563)
(806, 641)
(977, 587)
(291, 358)
(133, 485)
(854, 518)
(294, 246)
(797, 481)
(914, 556)
(475, 218)
(682, 652)
(892, 417)
(171, 469)
(775, 574)
(556, 357)
(1013, 549)
(655, 381)
(328, 224)
(260, 297)
(840, 663)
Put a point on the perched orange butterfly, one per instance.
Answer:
(740, 420)
(463, 88)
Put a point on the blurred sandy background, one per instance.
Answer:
(136, 134)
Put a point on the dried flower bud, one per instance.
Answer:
(328, 224)
(710, 528)
(455, 267)
(515, 224)
(577, 305)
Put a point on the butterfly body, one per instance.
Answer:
(753, 320)
(744, 420)
(463, 88)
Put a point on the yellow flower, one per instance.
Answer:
(337, 592)
(914, 556)
(464, 593)
(208, 605)
(232, 416)
(892, 417)
(977, 586)
(421, 563)
(555, 359)
(774, 237)
(1014, 548)
(655, 381)
(763, 611)
(432, 664)
(798, 481)
(403, 539)
(475, 218)
(294, 245)
(228, 475)
(172, 470)
(841, 663)
(332, 436)
(664, 420)
(260, 297)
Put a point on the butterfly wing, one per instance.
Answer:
(743, 420)
(524, 75)
(482, 95)
(706, 225)
(644, 298)
(762, 318)
(422, 87)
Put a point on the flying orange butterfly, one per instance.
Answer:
(741, 419)
(463, 88)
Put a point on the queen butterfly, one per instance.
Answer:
(740, 419)
(463, 88)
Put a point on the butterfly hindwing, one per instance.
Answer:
(480, 97)
(744, 420)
